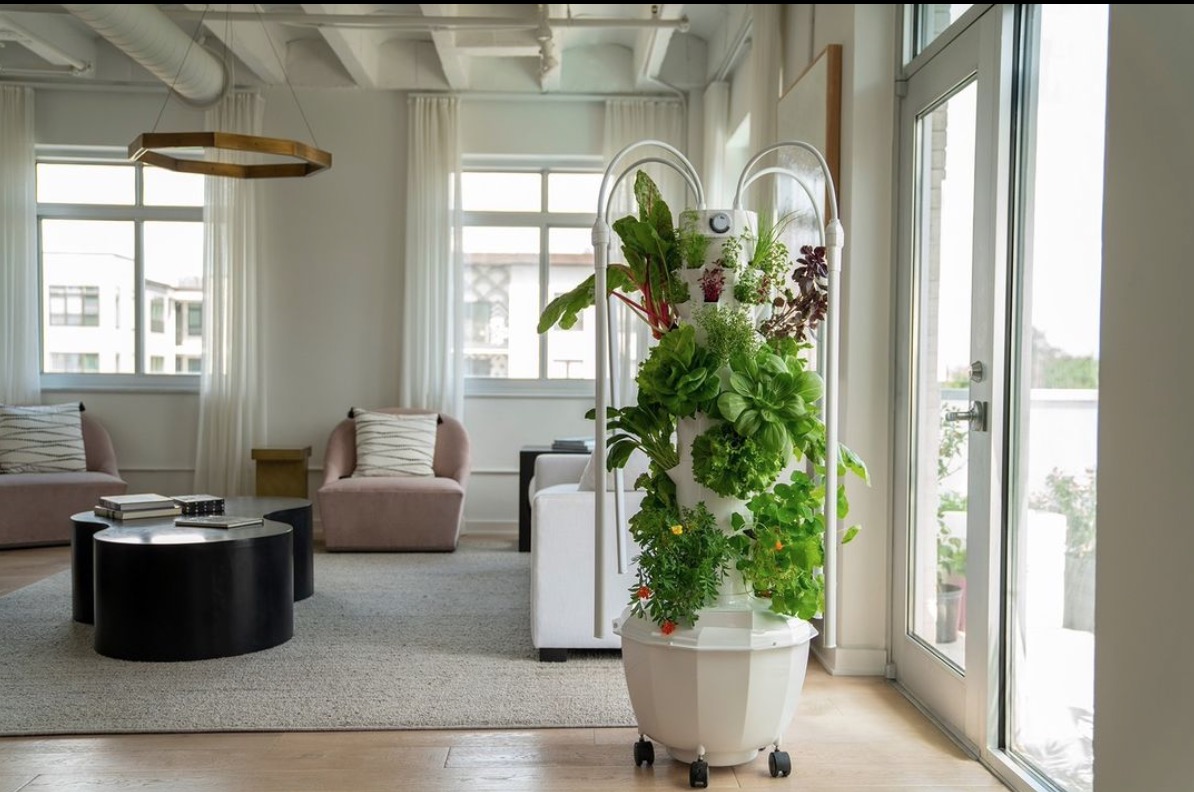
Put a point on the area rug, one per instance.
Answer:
(388, 641)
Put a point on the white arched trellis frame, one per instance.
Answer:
(833, 237)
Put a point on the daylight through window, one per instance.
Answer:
(121, 256)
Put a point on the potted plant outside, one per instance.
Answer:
(731, 529)
(951, 547)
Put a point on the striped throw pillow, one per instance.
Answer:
(41, 439)
(395, 445)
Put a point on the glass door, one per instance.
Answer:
(1052, 450)
(948, 276)
(1001, 196)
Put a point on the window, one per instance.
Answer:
(928, 21)
(120, 244)
(188, 365)
(526, 240)
(76, 362)
(74, 306)
(157, 315)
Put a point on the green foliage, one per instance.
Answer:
(679, 374)
(773, 400)
(728, 331)
(1076, 498)
(566, 309)
(684, 557)
(694, 245)
(771, 256)
(752, 287)
(1053, 368)
(733, 465)
(1067, 371)
(951, 553)
(782, 552)
(645, 426)
(951, 457)
(652, 255)
(731, 254)
(768, 405)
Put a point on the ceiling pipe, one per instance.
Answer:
(150, 38)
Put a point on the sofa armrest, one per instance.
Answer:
(340, 455)
(97, 447)
(553, 469)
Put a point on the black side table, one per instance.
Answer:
(526, 471)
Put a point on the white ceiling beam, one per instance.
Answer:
(251, 44)
(451, 59)
(51, 39)
(650, 45)
(356, 49)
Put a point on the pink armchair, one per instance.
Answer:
(35, 508)
(394, 512)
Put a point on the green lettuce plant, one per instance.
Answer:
(733, 465)
(771, 399)
(679, 375)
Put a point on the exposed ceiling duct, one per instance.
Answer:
(153, 40)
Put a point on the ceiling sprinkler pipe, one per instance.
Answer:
(150, 38)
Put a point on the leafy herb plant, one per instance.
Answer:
(753, 380)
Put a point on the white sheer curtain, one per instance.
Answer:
(766, 70)
(19, 333)
(432, 359)
(627, 121)
(231, 397)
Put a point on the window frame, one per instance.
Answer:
(544, 221)
(138, 213)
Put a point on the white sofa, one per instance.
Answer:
(562, 563)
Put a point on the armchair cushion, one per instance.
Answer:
(42, 439)
(395, 445)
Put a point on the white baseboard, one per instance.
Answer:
(847, 661)
(507, 528)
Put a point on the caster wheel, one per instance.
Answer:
(779, 763)
(698, 774)
(644, 753)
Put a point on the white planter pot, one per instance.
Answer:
(721, 690)
(728, 686)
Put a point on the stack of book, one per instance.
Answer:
(199, 505)
(136, 507)
(572, 444)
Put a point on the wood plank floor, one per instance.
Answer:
(849, 734)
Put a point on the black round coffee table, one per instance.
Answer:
(156, 591)
(295, 512)
(176, 593)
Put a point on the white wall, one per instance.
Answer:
(867, 35)
(1143, 695)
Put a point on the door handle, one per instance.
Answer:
(976, 416)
